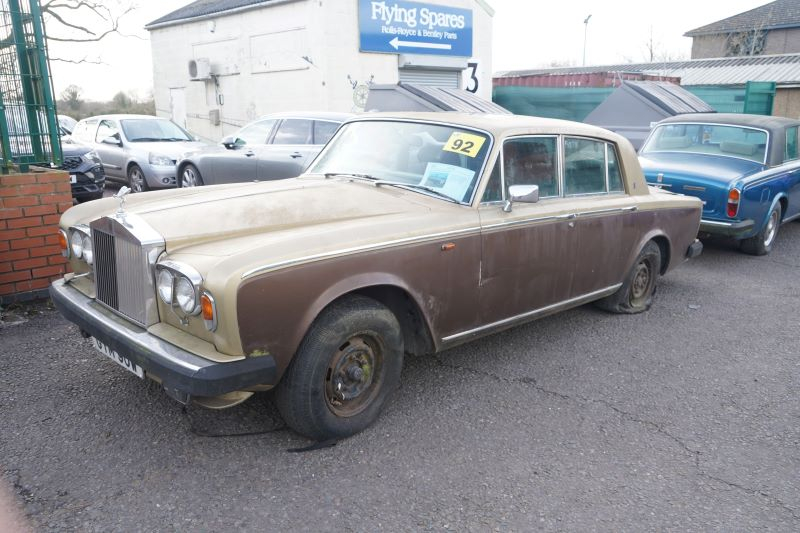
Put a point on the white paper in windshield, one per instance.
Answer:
(448, 179)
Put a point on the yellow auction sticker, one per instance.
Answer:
(464, 143)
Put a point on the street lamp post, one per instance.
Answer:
(585, 30)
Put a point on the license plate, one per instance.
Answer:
(117, 358)
(73, 178)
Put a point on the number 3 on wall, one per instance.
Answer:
(473, 86)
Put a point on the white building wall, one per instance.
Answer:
(289, 56)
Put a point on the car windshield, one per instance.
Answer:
(444, 161)
(728, 141)
(150, 130)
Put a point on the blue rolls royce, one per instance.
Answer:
(745, 169)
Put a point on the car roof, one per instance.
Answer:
(766, 122)
(121, 116)
(313, 115)
(498, 124)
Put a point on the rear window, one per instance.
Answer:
(712, 139)
(791, 144)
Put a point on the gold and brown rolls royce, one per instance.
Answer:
(409, 233)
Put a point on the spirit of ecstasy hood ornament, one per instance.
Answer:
(121, 197)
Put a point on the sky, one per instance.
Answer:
(526, 34)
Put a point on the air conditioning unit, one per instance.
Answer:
(199, 69)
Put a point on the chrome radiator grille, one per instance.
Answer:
(123, 271)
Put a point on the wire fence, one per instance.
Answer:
(28, 123)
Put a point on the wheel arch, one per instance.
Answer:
(396, 296)
(664, 245)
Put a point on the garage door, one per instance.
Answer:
(437, 78)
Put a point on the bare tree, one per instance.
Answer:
(72, 97)
(83, 21)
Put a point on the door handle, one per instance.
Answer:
(295, 155)
(250, 153)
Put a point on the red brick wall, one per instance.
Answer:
(30, 257)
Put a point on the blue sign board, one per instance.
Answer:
(399, 27)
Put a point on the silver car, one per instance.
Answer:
(140, 150)
(273, 147)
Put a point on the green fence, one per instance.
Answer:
(28, 122)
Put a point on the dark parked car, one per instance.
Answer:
(274, 147)
(86, 173)
(745, 169)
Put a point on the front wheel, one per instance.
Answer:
(761, 243)
(190, 177)
(344, 372)
(136, 180)
(636, 293)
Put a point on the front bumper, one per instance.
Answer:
(183, 374)
(159, 176)
(737, 229)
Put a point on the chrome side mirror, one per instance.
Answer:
(527, 194)
(112, 140)
(231, 141)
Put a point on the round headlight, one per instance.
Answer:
(164, 283)
(185, 295)
(88, 254)
(76, 244)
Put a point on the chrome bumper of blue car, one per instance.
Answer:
(736, 228)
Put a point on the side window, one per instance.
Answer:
(494, 188)
(107, 129)
(323, 131)
(584, 166)
(791, 145)
(83, 131)
(532, 161)
(256, 133)
(293, 131)
(614, 175)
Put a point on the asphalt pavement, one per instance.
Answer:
(684, 418)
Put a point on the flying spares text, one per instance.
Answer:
(419, 21)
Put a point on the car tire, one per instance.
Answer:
(136, 180)
(761, 243)
(190, 177)
(345, 370)
(636, 293)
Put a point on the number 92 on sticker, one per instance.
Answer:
(464, 143)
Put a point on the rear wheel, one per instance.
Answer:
(345, 370)
(136, 180)
(636, 293)
(190, 176)
(761, 243)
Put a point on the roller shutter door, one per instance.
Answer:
(437, 78)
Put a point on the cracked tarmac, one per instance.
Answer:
(684, 418)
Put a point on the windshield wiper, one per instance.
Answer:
(350, 175)
(145, 139)
(417, 186)
(175, 139)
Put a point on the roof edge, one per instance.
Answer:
(224, 13)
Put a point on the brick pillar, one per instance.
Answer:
(30, 257)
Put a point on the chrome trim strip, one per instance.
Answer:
(537, 312)
(716, 223)
(608, 211)
(694, 188)
(355, 249)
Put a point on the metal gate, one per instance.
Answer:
(28, 124)
(437, 78)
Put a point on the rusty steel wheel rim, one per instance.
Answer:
(642, 282)
(354, 375)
